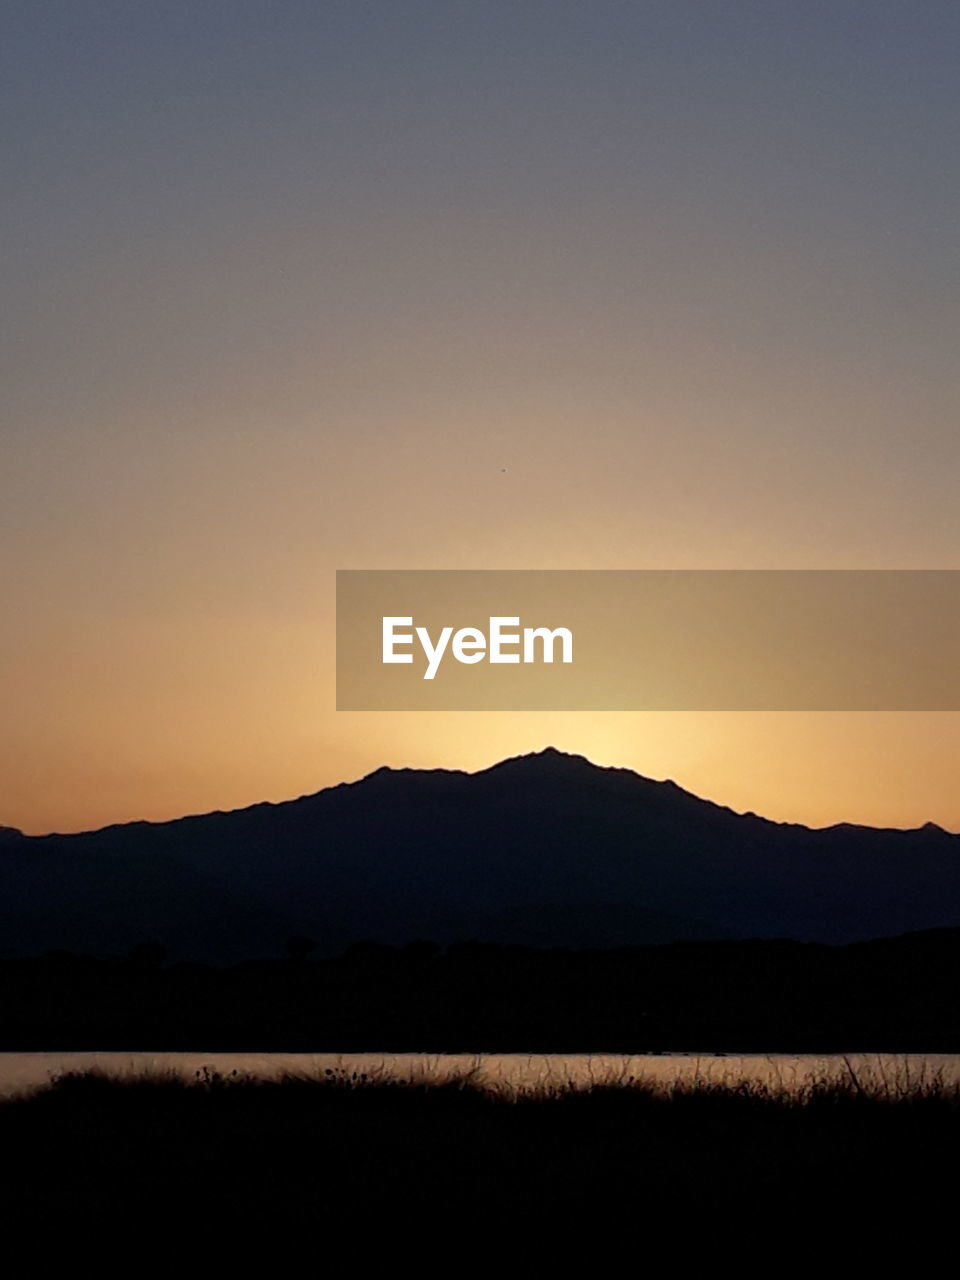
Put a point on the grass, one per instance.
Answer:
(340, 1155)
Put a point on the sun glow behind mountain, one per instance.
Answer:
(490, 286)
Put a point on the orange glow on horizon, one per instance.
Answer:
(880, 769)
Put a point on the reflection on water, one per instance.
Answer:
(20, 1071)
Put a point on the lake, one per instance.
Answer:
(511, 1071)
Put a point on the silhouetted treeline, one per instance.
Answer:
(900, 994)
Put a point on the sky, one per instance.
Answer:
(290, 287)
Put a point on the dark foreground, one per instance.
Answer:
(412, 1171)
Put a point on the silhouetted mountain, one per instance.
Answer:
(544, 849)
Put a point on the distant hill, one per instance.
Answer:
(545, 849)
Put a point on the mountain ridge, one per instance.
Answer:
(545, 753)
(544, 848)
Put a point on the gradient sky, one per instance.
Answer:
(287, 285)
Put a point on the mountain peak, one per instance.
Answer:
(549, 756)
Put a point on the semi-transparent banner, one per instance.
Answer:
(648, 640)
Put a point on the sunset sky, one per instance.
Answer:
(296, 286)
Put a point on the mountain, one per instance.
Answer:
(544, 849)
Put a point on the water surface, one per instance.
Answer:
(513, 1071)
